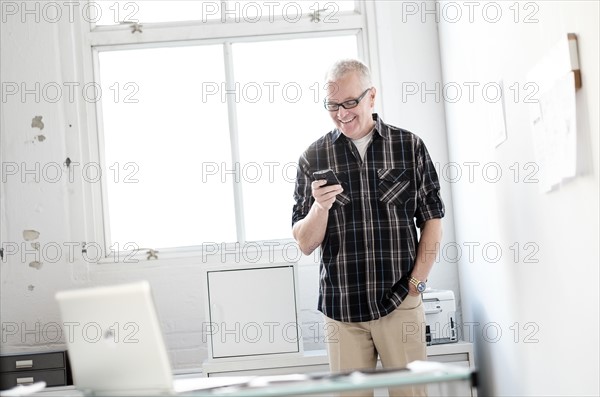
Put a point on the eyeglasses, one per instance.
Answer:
(349, 104)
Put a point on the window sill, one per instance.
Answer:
(250, 252)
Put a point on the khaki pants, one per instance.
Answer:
(397, 338)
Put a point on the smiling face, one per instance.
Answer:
(357, 122)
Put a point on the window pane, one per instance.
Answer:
(159, 151)
(112, 12)
(280, 112)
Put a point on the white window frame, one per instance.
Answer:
(105, 38)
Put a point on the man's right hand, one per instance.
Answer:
(310, 231)
(325, 195)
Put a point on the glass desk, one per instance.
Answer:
(305, 384)
(302, 384)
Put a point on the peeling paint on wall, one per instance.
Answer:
(36, 265)
(40, 138)
(37, 122)
(29, 235)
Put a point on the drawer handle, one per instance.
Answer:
(25, 381)
(24, 364)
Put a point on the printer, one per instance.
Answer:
(440, 316)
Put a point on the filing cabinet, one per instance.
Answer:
(27, 368)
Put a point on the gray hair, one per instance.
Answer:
(344, 66)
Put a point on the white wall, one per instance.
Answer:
(30, 54)
(409, 56)
(554, 302)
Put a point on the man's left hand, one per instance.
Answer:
(412, 290)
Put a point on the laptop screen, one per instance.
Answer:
(114, 340)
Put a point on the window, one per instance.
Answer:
(157, 138)
(113, 12)
(200, 130)
(276, 128)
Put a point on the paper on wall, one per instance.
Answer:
(554, 127)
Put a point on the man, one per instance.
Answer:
(373, 266)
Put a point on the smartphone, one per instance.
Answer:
(328, 175)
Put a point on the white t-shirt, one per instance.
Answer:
(362, 144)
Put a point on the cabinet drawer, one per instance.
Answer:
(32, 362)
(52, 377)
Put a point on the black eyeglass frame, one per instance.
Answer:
(349, 104)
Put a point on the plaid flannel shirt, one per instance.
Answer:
(371, 238)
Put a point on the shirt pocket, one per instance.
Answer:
(395, 185)
(341, 199)
(344, 197)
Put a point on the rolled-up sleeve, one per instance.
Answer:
(429, 200)
(302, 191)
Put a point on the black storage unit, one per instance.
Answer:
(25, 369)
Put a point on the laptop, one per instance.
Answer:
(115, 344)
